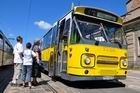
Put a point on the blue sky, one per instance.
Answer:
(32, 18)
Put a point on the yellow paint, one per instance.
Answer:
(65, 48)
(120, 20)
(75, 67)
(45, 54)
(97, 72)
(80, 10)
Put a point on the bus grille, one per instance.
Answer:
(108, 72)
(107, 62)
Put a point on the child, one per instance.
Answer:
(27, 65)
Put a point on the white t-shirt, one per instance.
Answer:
(27, 57)
(100, 38)
(18, 50)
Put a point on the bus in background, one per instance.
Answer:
(86, 44)
(6, 51)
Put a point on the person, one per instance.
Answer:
(36, 62)
(18, 50)
(27, 64)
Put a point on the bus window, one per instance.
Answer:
(115, 34)
(91, 31)
(54, 37)
(75, 37)
(7, 47)
(1, 41)
(62, 24)
(66, 30)
(47, 39)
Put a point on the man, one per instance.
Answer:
(18, 54)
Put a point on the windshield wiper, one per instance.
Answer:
(104, 32)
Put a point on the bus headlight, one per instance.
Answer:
(124, 62)
(87, 60)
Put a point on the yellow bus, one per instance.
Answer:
(86, 44)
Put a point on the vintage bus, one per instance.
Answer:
(6, 51)
(86, 44)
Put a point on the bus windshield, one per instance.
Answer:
(115, 34)
(91, 31)
(101, 32)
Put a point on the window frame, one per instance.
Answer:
(1, 45)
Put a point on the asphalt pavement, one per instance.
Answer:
(46, 85)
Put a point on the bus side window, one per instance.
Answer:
(47, 39)
(1, 41)
(75, 37)
(7, 47)
(54, 37)
(66, 30)
(62, 24)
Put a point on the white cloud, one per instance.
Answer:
(43, 25)
(11, 35)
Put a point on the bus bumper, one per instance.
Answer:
(89, 78)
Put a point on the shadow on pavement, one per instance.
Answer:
(6, 74)
(44, 82)
(93, 84)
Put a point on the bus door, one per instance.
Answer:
(63, 44)
(53, 64)
(60, 44)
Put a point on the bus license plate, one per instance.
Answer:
(108, 77)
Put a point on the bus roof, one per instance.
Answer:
(98, 13)
(101, 9)
(6, 38)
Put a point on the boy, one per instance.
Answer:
(27, 65)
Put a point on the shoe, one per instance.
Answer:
(13, 84)
(23, 85)
(30, 87)
(35, 83)
(18, 85)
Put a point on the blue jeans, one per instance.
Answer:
(26, 73)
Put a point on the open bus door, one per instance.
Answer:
(58, 59)
(64, 26)
(60, 44)
(55, 64)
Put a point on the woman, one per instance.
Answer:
(36, 61)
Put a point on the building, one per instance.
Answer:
(132, 29)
